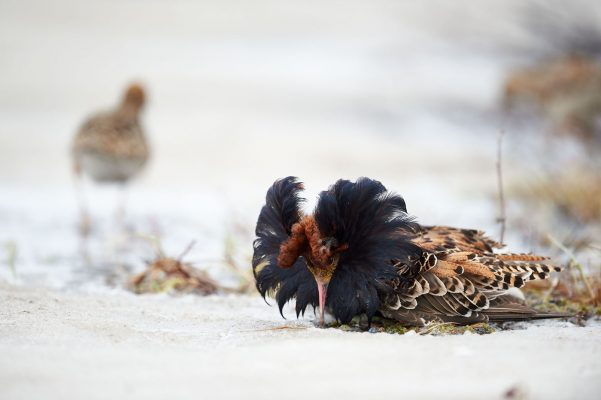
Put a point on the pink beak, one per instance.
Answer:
(322, 289)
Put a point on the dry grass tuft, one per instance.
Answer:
(231, 257)
(574, 194)
(576, 290)
(166, 274)
(11, 256)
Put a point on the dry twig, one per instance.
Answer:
(502, 216)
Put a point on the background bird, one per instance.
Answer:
(111, 146)
(360, 253)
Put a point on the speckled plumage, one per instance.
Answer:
(111, 146)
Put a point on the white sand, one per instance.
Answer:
(62, 345)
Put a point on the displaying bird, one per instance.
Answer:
(111, 146)
(361, 253)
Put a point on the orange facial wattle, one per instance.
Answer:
(305, 240)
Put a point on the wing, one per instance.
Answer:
(461, 279)
(274, 226)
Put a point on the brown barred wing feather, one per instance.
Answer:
(462, 280)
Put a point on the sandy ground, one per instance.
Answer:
(69, 329)
(64, 345)
(240, 95)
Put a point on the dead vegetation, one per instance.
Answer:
(558, 197)
(11, 256)
(169, 274)
(567, 203)
(573, 193)
(575, 291)
(166, 274)
(390, 326)
(231, 257)
(565, 90)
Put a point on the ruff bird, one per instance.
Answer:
(361, 253)
(110, 147)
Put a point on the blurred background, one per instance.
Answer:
(414, 94)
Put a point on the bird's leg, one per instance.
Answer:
(84, 218)
(121, 207)
(85, 223)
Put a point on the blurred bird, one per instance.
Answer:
(110, 146)
(360, 253)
